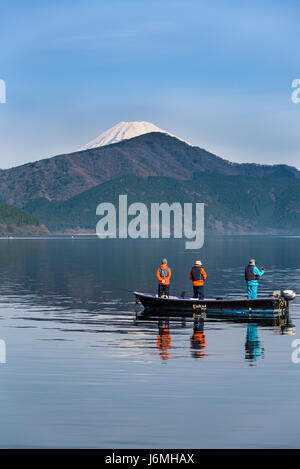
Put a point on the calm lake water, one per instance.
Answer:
(82, 371)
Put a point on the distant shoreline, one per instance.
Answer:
(83, 235)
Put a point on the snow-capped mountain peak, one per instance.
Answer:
(123, 131)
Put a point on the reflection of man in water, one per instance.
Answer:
(164, 339)
(198, 341)
(253, 347)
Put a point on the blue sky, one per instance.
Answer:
(217, 73)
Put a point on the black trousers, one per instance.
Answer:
(163, 290)
(199, 292)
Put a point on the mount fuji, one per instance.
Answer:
(124, 131)
(152, 155)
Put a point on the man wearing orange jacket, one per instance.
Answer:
(163, 274)
(198, 276)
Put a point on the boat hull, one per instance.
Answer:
(261, 308)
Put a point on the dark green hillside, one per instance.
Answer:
(234, 204)
(15, 221)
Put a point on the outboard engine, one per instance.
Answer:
(287, 328)
(289, 295)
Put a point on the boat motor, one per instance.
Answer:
(289, 295)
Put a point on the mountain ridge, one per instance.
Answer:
(154, 154)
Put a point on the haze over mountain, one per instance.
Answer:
(152, 154)
(124, 131)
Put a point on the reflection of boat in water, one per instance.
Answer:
(261, 308)
(285, 326)
(253, 346)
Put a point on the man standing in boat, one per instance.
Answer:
(163, 274)
(252, 275)
(198, 277)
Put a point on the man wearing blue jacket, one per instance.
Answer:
(252, 275)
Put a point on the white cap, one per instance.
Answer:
(198, 263)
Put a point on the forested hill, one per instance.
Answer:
(233, 204)
(14, 221)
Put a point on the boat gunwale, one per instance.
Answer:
(205, 300)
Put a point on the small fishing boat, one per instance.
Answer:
(277, 304)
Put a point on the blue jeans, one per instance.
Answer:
(199, 292)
